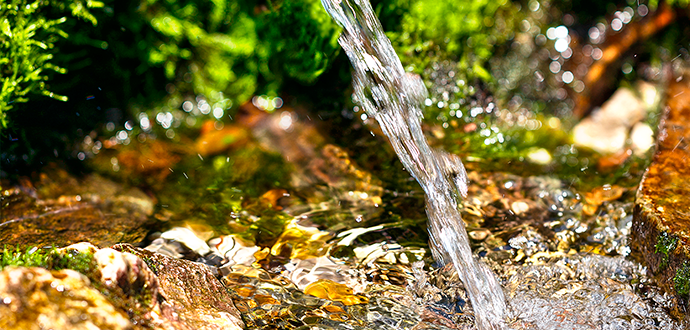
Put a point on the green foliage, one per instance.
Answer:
(465, 31)
(229, 50)
(204, 47)
(665, 244)
(301, 38)
(678, 3)
(681, 282)
(47, 258)
(225, 50)
(28, 33)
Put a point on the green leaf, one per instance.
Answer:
(5, 26)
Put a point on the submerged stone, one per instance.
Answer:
(327, 289)
(661, 226)
(58, 209)
(274, 302)
(301, 242)
(170, 295)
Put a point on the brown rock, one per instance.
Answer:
(661, 225)
(59, 210)
(191, 296)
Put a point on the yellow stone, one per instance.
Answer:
(327, 289)
(262, 299)
(304, 242)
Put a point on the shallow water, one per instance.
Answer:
(394, 98)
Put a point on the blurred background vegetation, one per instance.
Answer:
(101, 59)
(71, 67)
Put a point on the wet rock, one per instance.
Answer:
(599, 195)
(661, 225)
(187, 242)
(58, 209)
(128, 284)
(156, 300)
(36, 298)
(192, 297)
(283, 132)
(129, 273)
(188, 238)
(614, 161)
(642, 138)
(173, 249)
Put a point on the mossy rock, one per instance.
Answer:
(661, 221)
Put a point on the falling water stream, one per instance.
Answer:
(394, 98)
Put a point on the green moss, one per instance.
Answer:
(31, 257)
(203, 47)
(464, 28)
(665, 244)
(462, 32)
(229, 50)
(75, 260)
(28, 32)
(681, 282)
(48, 258)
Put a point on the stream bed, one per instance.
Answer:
(289, 216)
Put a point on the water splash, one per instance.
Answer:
(394, 98)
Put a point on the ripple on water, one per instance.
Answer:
(586, 291)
